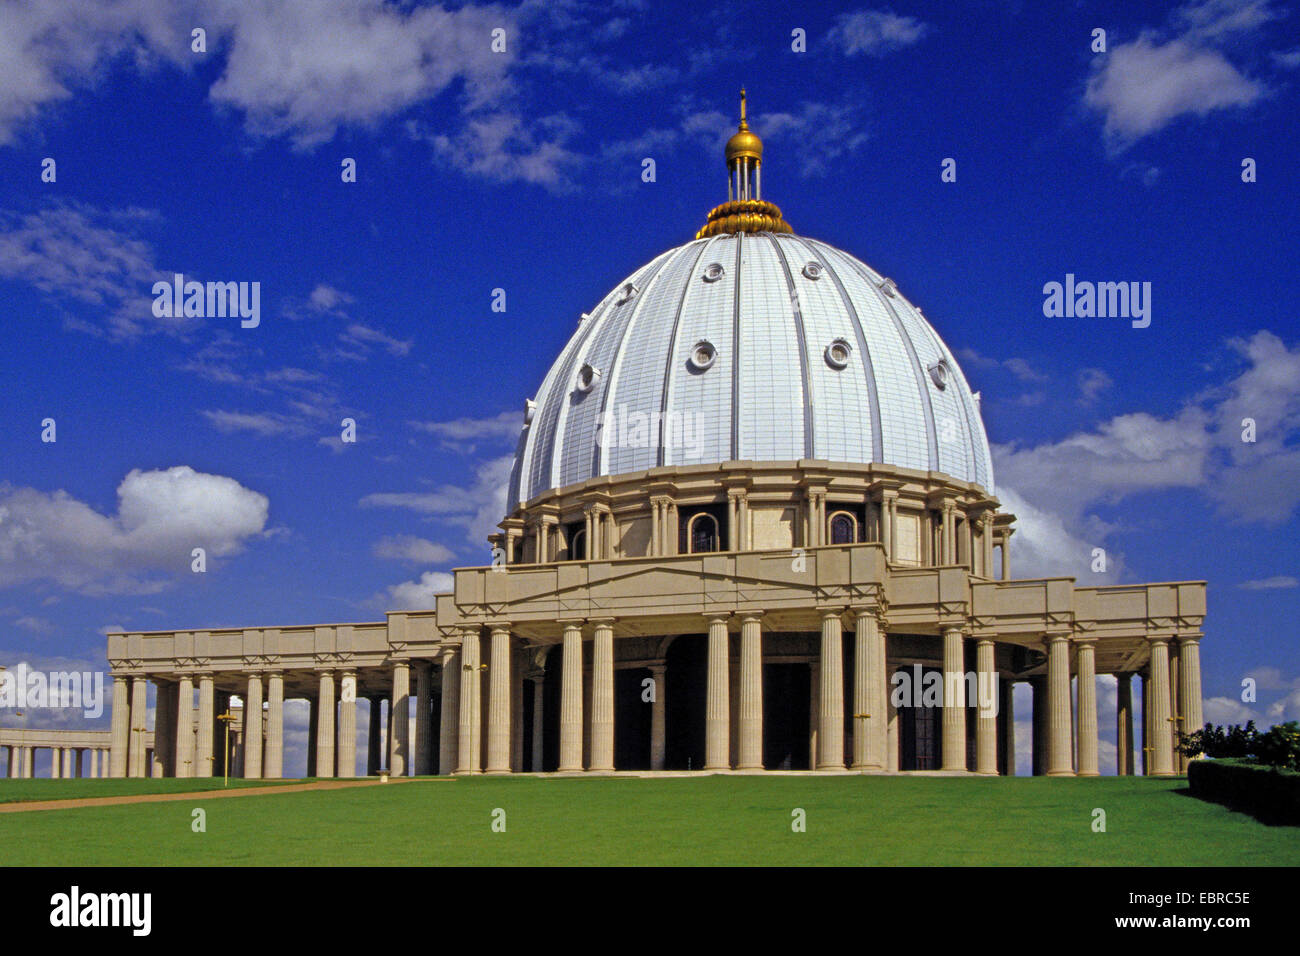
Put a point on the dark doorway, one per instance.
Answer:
(919, 727)
(787, 698)
(631, 719)
(686, 680)
(551, 710)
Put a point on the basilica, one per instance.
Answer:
(753, 490)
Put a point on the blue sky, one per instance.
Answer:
(521, 170)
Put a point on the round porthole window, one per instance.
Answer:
(587, 376)
(939, 374)
(703, 355)
(887, 286)
(713, 272)
(813, 270)
(837, 353)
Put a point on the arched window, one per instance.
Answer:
(703, 534)
(844, 528)
(578, 546)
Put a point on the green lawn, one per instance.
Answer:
(723, 820)
(43, 788)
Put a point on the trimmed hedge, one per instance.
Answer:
(1267, 793)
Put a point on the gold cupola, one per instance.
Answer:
(745, 209)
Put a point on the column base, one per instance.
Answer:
(1060, 773)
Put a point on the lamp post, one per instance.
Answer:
(227, 718)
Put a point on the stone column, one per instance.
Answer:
(717, 714)
(498, 756)
(658, 737)
(423, 718)
(602, 695)
(325, 708)
(1189, 690)
(470, 714)
(954, 699)
(750, 756)
(1161, 743)
(1087, 721)
(1009, 725)
(184, 727)
(1059, 762)
(121, 728)
(1146, 722)
(986, 723)
(163, 717)
(253, 728)
(273, 764)
(830, 724)
(539, 717)
(1038, 685)
(571, 700)
(347, 728)
(399, 743)
(870, 692)
(203, 755)
(1124, 725)
(28, 761)
(449, 726)
(139, 727)
(94, 763)
(893, 760)
(1175, 708)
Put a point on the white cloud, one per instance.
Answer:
(1044, 546)
(506, 147)
(875, 32)
(419, 595)
(1275, 583)
(406, 547)
(161, 517)
(478, 507)
(260, 423)
(361, 337)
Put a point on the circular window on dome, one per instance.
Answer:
(587, 376)
(837, 353)
(703, 355)
(939, 374)
(713, 272)
(813, 270)
(887, 286)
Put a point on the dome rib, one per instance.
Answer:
(703, 246)
(796, 306)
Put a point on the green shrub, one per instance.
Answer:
(1269, 794)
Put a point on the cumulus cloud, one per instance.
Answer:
(406, 547)
(1181, 69)
(464, 435)
(421, 594)
(1198, 447)
(874, 32)
(161, 517)
(1277, 582)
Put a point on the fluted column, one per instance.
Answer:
(203, 755)
(423, 718)
(184, 718)
(1086, 724)
(1059, 762)
(954, 700)
(253, 728)
(1175, 708)
(986, 721)
(1124, 725)
(498, 756)
(1189, 691)
(399, 742)
(139, 691)
(470, 712)
(347, 729)
(602, 695)
(163, 717)
(870, 692)
(1146, 722)
(121, 728)
(1161, 742)
(750, 756)
(273, 762)
(571, 699)
(830, 724)
(658, 738)
(325, 708)
(449, 729)
(717, 715)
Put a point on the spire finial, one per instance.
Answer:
(743, 124)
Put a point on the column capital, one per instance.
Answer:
(1190, 637)
(827, 613)
(984, 641)
(1086, 640)
(876, 609)
(1159, 638)
(495, 626)
(1051, 637)
(602, 621)
(712, 616)
(747, 616)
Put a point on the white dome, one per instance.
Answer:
(760, 347)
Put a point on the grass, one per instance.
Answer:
(709, 820)
(43, 788)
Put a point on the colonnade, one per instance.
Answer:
(65, 762)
